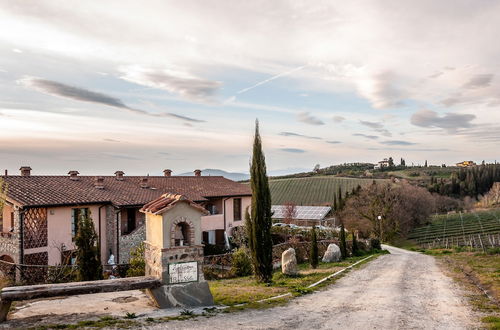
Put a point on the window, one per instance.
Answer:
(237, 209)
(128, 223)
(76, 214)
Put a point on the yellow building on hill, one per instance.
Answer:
(466, 163)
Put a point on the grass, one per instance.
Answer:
(316, 190)
(479, 274)
(245, 290)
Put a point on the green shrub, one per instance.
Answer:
(375, 244)
(241, 263)
(137, 262)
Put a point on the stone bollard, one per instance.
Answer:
(289, 262)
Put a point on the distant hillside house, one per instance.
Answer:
(39, 219)
(381, 164)
(466, 163)
(301, 215)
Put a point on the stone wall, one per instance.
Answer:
(10, 242)
(130, 241)
(110, 219)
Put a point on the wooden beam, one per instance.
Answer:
(76, 288)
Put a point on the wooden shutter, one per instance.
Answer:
(219, 237)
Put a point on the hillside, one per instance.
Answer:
(479, 229)
(316, 190)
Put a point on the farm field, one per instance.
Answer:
(316, 190)
(476, 229)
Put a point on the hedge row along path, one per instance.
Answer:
(401, 290)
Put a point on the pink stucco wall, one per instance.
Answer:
(59, 232)
(6, 215)
(213, 222)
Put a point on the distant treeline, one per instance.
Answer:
(470, 181)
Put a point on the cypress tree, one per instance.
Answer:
(313, 253)
(343, 243)
(261, 246)
(355, 247)
(88, 256)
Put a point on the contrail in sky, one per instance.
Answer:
(244, 90)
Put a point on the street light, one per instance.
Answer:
(380, 228)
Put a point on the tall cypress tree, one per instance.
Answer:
(313, 253)
(261, 246)
(343, 243)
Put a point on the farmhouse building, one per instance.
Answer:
(382, 164)
(39, 219)
(466, 163)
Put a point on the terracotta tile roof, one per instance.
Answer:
(61, 190)
(167, 201)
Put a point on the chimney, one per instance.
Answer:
(6, 173)
(119, 175)
(99, 182)
(73, 175)
(167, 172)
(25, 170)
(144, 183)
(197, 172)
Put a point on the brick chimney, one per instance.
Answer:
(197, 172)
(119, 175)
(99, 182)
(25, 170)
(167, 172)
(73, 175)
(144, 183)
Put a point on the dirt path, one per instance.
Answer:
(403, 290)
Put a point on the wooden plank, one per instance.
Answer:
(76, 288)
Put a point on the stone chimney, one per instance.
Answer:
(119, 175)
(99, 182)
(197, 172)
(167, 172)
(144, 183)
(25, 170)
(6, 173)
(73, 175)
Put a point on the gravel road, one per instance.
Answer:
(403, 290)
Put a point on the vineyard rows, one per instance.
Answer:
(476, 230)
(316, 190)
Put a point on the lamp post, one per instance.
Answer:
(379, 218)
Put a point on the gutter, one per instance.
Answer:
(21, 236)
(224, 211)
(117, 213)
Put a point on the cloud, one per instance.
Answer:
(380, 89)
(376, 126)
(293, 150)
(110, 140)
(333, 142)
(299, 135)
(305, 117)
(373, 125)
(338, 119)
(449, 121)
(397, 143)
(411, 149)
(85, 95)
(436, 74)
(371, 137)
(180, 83)
(479, 81)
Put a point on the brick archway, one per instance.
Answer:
(188, 237)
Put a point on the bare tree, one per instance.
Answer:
(290, 212)
(492, 198)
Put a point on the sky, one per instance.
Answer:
(140, 86)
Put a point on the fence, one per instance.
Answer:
(40, 274)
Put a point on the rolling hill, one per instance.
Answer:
(316, 190)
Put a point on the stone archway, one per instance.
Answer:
(181, 232)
